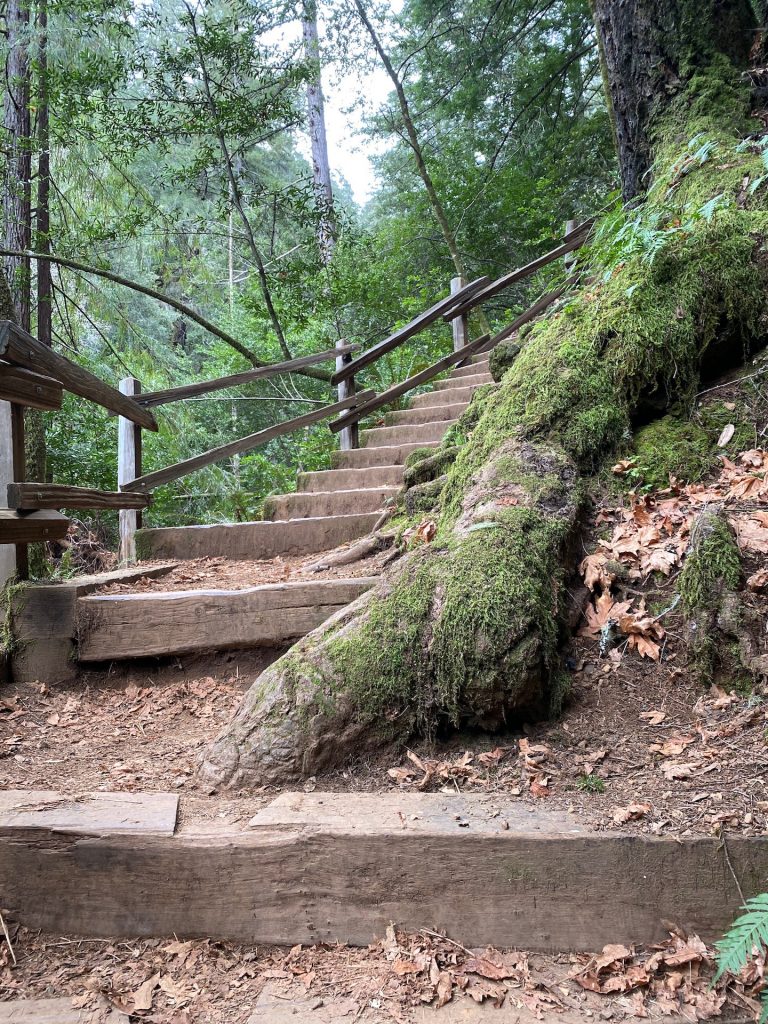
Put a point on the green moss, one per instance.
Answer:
(712, 566)
(418, 455)
(672, 446)
(10, 601)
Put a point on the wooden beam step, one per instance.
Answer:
(30, 389)
(112, 626)
(35, 495)
(327, 867)
(32, 527)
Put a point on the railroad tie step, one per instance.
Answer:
(383, 455)
(473, 379)
(416, 434)
(350, 479)
(426, 414)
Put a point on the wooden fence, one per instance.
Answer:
(33, 376)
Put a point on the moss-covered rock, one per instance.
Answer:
(423, 497)
(434, 463)
(502, 358)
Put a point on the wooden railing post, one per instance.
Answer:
(349, 437)
(570, 258)
(128, 469)
(459, 326)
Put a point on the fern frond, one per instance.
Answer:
(748, 931)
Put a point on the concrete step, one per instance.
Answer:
(118, 626)
(386, 455)
(416, 433)
(306, 504)
(350, 479)
(254, 540)
(470, 369)
(439, 398)
(471, 380)
(426, 414)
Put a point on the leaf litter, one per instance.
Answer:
(200, 981)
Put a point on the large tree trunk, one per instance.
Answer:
(651, 50)
(17, 191)
(468, 628)
(321, 168)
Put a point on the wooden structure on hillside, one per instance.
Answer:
(33, 376)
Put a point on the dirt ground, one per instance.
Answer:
(167, 981)
(223, 574)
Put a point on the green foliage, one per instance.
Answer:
(747, 935)
(590, 784)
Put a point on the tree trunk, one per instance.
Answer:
(651, 50)
(17, 192)
(321, 168)
(469, 628)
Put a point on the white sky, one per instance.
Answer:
(347, 97)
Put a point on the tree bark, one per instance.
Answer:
(468, 629)
(651, 50)
(17, 191)
(321, 168)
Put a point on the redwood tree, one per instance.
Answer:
(469, 628)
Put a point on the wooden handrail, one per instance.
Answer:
(573, 240)
(40, 495)
(21, 349)
(429, 316)
(243, 444)
(408, 385)
(204, 387)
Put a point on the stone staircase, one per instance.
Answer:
(330, 508)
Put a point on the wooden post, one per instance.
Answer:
(19, 475)
(459, 326)
(570, 258)
(349, 437)
(128, 468)
(7, 554)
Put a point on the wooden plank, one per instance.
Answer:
(32, 528)
(423, 377)
(129, 450)
(342, 867)
(112, 626)
(206, 386)
(573, 241)
(51, 1011)
(29, 389)
(20, 348)
(243, 444)
(148, 814)
(429, 316)
(36, 495)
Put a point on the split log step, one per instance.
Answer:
(29, 389)
(413, 434)
(35, 495)
(31, 528)
(113, 626)
(351, 479)
(381, 455)
(342, 866)
(306, 504)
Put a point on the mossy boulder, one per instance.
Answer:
(502, 358)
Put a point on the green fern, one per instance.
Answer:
(748, 932)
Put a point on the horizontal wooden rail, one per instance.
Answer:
(21, 349)
(408, 385)
(34, 495)
(31, 528)
(573, 240)
(178, 394)
(244, 444)
(429, 316)
(30, 389)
